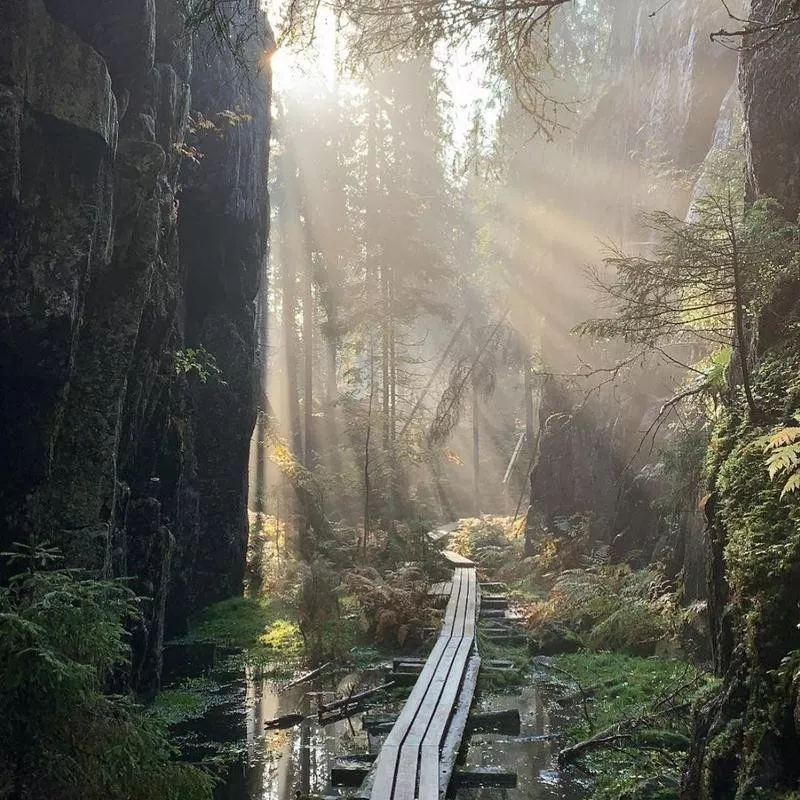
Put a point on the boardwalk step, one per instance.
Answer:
(507, 722)
(511, 639)
(348, 774)
(457, 560)
(492, 613)
(489, 777)
(416, 664)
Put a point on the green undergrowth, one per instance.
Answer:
(238, 622)
(62, 638)
(190, 699)
(641, 709)
(261, 633)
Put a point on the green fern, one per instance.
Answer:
(783, 447)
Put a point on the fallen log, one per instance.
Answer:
(353, 773)
(634, 731)
(340, 714)
(286, 721)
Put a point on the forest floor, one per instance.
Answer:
(610, 652)
(612, 646)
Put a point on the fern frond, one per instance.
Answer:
(783, 459)
(784, 436)
(792, 485)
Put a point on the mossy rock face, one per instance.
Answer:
(745, 737)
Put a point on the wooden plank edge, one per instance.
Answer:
(458, 724)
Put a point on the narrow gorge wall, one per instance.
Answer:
(116, 253)
(747, 734)
(667, 103)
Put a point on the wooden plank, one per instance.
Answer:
(447, 672)
(442, 531)
(495, 777)
(387, 764)
(413, 746)
(431, 748)
(457, 560)
(455, 732)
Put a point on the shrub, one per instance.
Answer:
(62, 634)
(393, 606)
(612, 607)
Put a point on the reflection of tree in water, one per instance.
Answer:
(305, 749)
(284, 763)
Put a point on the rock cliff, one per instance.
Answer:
(666, 104)
(747, 733)
(129, 236)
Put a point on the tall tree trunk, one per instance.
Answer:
(289, 309)
(367, 437)
(476, 453)
(288, 283)
(385, 347)
(527, 379)
(739, 322)
(308, 342)
(259, 503)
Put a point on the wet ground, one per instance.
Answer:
(277, 765)
(531, 755)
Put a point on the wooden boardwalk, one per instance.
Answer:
(411, 765)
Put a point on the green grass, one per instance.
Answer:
(617, 687)
(237, 622)
(622, 684)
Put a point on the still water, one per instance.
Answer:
(285, 764)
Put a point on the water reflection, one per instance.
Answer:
(276, 765)
(532, 754)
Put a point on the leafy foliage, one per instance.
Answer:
(638, 708)
(61, 636)
(514, 38)
(610, 608)
(394, 605)
(198, 361)
(687, 288)
(707, 282)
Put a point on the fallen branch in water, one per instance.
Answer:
(352, 699)
(306, 676)
(286, 721)
(638, 728)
